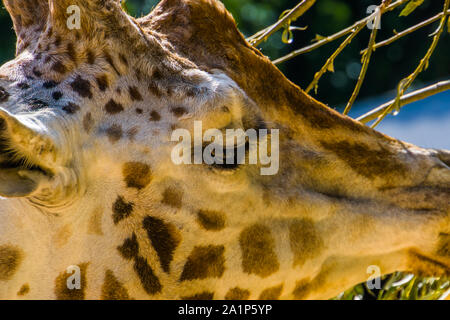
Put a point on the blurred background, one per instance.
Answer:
(426, 123)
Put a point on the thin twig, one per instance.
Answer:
(366, 62)
(337, 35)
(293, 15)
(406, 82)
(331, 59)
(407, 31)
(407, 99)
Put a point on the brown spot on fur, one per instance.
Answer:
(258, 251)
(71, 52)
(366, 161)
(24, 290)
(59, 67)
(130, 248)
(154, 116)
(50, 32)
(137, 175)
(204, 262)
(178, 111)
(154, 89)
(305, 241)
(113, 107)
(164, 238)
(57, 95)
(102, 82)
(90, 57)
(82, 87)
(49, 84)
(121, 209)
(62, 291)
(157, 74)
(192, 92)
(114, 133)
(88, 122)
(211, 220)
(135, 95)
(37, 104)
(62, 236)
(172, 197)
(112, 289)
(200, 296)
(10, 260)
(444, 245)
(123, 59)
(95, 222)
(237, 294)
(4, 95)
(271, 293)
(23, 86)
(145, 273)
(139, 111)
(57, 42)
(71, 108)
(37, 73)
(302, 289)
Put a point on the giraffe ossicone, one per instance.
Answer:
(87, 177)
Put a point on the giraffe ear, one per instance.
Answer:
(29, 18)
(20, 173)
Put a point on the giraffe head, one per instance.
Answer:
(88, 109)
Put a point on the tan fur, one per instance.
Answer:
(86, 118)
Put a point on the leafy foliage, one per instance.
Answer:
(410, 7)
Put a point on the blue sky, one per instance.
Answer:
(424, 123)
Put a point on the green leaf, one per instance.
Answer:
(330, 67)
(410, 7)
(285, 12)
(448, 25)
(287, 36)
(318, 38)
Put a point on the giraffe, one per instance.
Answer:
(87, 182)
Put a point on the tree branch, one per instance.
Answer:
(337, 35)
(293, 15)
(406, 82)
(366, 62)
(407, 31)
(331, 59)
(407, 99)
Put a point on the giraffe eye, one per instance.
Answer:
(231, 158)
